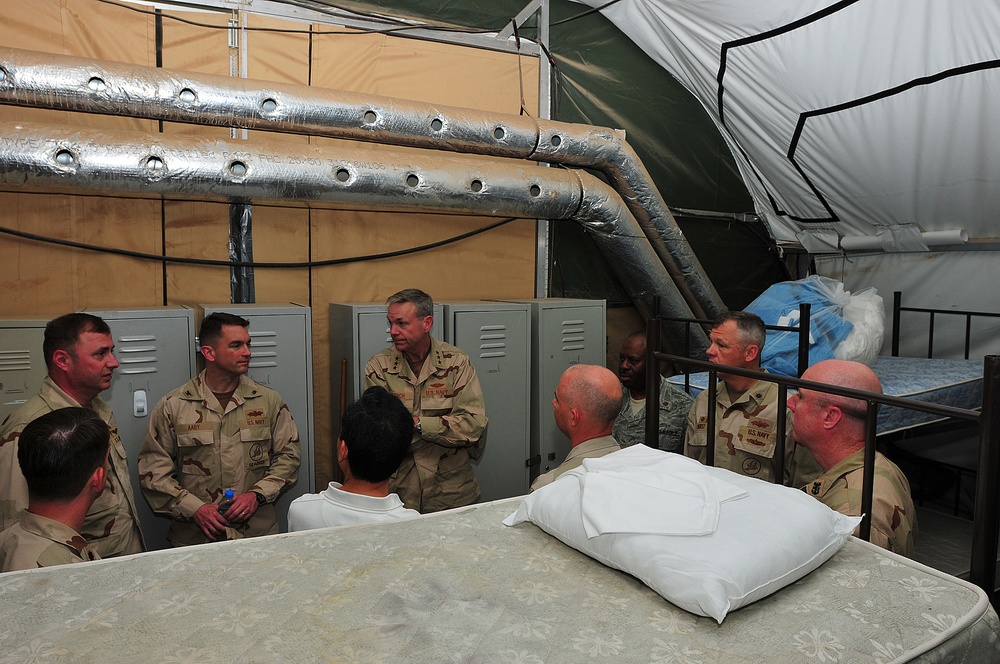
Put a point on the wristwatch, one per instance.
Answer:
(420, 429)
(260, 497)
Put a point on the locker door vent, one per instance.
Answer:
(574, 335)
(137, 354)
(493, 341)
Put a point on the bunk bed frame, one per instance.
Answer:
(986, 524)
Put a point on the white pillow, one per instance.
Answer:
(770, 537)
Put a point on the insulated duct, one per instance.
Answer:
(44, 80)
(57, 159)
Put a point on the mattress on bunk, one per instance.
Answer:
(460, 586)
(946, 382)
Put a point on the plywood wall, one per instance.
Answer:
(42, 280)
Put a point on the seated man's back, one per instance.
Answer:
(586, 403)
(375, 435)
(335, 507)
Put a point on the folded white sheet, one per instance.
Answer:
(642, 490)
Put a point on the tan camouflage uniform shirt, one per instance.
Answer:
(630, 428)
(37, 541)
(588, 449)
(194, 450)
(112, 523)
(894, 520)
(436, 473)
(746, 431)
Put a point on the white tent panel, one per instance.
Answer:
(846, 118)
(953, 280)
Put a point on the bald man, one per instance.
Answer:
(585, 406)
(833, 429)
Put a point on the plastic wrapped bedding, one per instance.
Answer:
(828, 328)
(459, 586)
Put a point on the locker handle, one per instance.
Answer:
(139, 405)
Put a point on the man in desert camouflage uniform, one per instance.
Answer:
(78, 351)
(584, 408)
(219, 431)
(833, 428)
(746, 410)
(438, 385)
(63, 456)
(674, 404)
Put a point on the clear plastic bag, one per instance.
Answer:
(866, 311)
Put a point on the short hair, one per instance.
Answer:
(638, 334)
(423, 302)
(59, 451)
(377, 429)
(586, 392)
(63, 332)
(211, 327)
(750, 326)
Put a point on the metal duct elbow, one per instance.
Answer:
(633, 259)
(607, 151)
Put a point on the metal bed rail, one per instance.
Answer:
(898, 309)
(986, 524)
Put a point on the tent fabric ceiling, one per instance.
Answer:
(846, 118)
(605, 79)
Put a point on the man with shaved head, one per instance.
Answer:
(832, 427)
(585, 405)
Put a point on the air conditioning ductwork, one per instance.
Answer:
(54, 159)
(44, 80)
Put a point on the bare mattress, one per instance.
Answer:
(461, 587)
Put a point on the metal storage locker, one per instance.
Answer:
(22, 364)
(497, 338)
(564, 332)
(156, 355)
(281, 342)
(358, 330)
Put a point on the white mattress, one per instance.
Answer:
(459, 586)
(955, 383)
